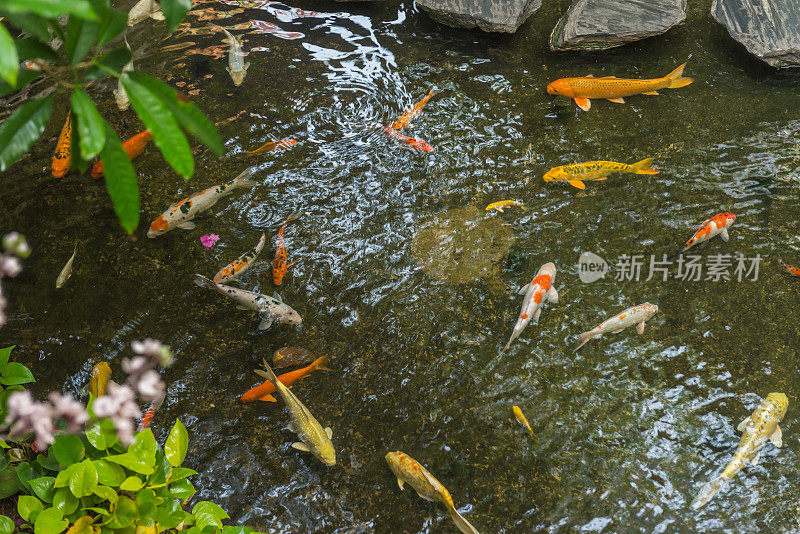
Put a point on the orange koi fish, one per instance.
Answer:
(411, 113)
(147, 418)
(62, 157)
(238, 266)
(133, 147)
(264, 391)
(794, 271)
(273, 146)
(537, 292)
(417, 144)
(614, 89)
(715, 226)
(279, 265)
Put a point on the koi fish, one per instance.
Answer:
(501, 205)
(614, 89)
(537, 292)
(636, 315)
(279, 265)
(133, 147)
(144, 9)
(237, 66)
(288, 356)
(237, 267)
(62, 157)
(523, 421)
(757, 429)
(407, 469)
(313, 438)
(264, 391)
(411, 113)
(147, 418)
(416, 144)
(66, 272)
(577, 173)
(794, 271)
(180, 214)
(272, 309)
(715, 226)
(273, 146)
(98, 383)
(120, 95)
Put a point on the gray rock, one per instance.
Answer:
(488, 15)
(768, 29)
(601, 24)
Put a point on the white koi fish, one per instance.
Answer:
(637, 315)
(143, 9)
(66, 272)
(237, 66)
(121, 97)
(536, 293)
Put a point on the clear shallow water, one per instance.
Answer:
(629, 427)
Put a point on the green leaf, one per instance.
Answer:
(113, 61)
(34, 49)
(102, 434)
(25, 474)
(68, 449)
(83, 479)
(109, 474)
(182, 489)
(144, 447)
(51, 8)
(174, 11)
(21, 130)
(106, 493)
(81, 35)
(120, 180)
(26, 505)
(16, 373)
(181, 472)
(207, 513)
(236, 530)
(33, 24)
(124, 513)
(90, 124)
(169, 515)
(63, 476)
(8, 482)
(176, 445)
(132, 484)
(9, 60)
(131, 462)
(112, 23)
(158, 118)
(43, 488)
(6, 525)
(64, 500)
(50, 521)
(5, 354)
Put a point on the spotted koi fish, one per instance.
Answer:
(416, 144)
(62, 157)
(636, 315)
(147, 418)
(180, 214)
(794, 271)
(411, 113)
(272, 309)
(133, 147)
(407, 469)
(715, 226)
(537, 292)
(577, 173)
(273, 146)
(614, 89)
(279, 265)
(757, 429)
(237, 267)
(264, 391)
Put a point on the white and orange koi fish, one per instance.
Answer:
(636, 315)
(237, 267)
(536, 293)
(715, 226)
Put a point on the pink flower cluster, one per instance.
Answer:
(15, 247)
(26, 415)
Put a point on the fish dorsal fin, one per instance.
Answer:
(743, 424)
(265, 323)
(607, 78)
(301, 446)
(589, 76)
(429, 477)
(777, 437)
(329, 432)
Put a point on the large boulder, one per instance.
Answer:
(488, 15)
(601, 24)
(768, 29)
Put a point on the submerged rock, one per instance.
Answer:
(461, 245)
(768, 29)
(601, 24)
(488, 15)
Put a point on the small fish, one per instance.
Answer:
(264, 391)
(636, 315)
(794, 271)
(577, 173)
(523, 421)
(289, 356)
(313, 438)
(537, 292)
(237, 66)
(98, 383)
(757, 429)
(66, 272)
(407, 469)
(120, 95)
(133, 147)
(501, 205)
(273, 146)
(715, 226)
(237, 267)
(614, 89)
(411, 113)
(62, 157)
(272, 309)
(180, 214)
(144, 9)
(147, 418)
(416, 144)
(279, 265)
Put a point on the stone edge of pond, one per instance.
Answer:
(469, 14)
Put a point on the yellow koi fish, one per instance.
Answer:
(523, 421)
(578, 173)
(501, 205)
(101, 374)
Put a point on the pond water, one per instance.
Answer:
(628, 428)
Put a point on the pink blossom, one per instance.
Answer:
(209, 240)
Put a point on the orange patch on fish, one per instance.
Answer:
(133, 147)
(62, 157)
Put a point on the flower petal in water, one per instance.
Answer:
(209, 240)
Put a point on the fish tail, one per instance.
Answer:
(676, 78)
(434, 91)
(321, 363)
(270, 374)
(242, 181)
(584, 338)
(708, 492)
(293, 217)
(202, 281)
(462, 524)
(644, 167)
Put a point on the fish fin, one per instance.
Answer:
(584, 338)
(321, 364)
(265, 323)
(202, 281)
(524, 289)
(552, 295)
(300, 446)
(400, 483)
(187, 225)
(500, 209)
(743, 424)
(777, 437)
(708, 492)
(601, 179)
(291, 428)
(644, 167)
(329, 432)
(589, 76)
(425, 497)
(724, 235)
(261, 373)
(756, 458)
(607, 78)
(676, 78)
(157, 15)
(463, 525)
(277, 297)
(618, 100)
(242, 179)
(240, 307)
(537, 315)
(583, 103)
(640, 328)
(270, 374)
(577, 183)
(617, 331)
(651, 93)
(268, 398)
(245, 66)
